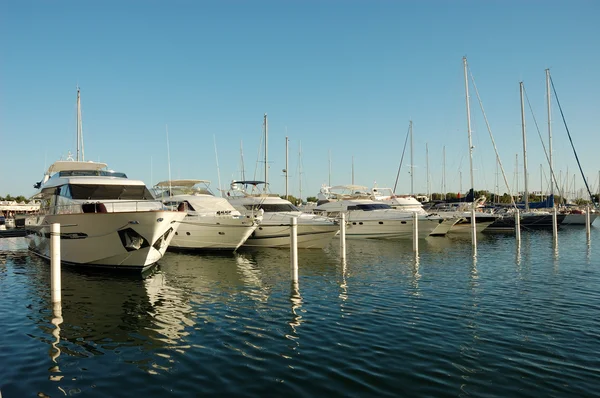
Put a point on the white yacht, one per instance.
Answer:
(211, 223)
(106, 219)
(368, 218)
(314, 232)
(411, 204)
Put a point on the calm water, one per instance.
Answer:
(384, 324)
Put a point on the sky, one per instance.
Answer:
(341, 79)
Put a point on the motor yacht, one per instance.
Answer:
(106, 218)
(314, 231)
(211, 223)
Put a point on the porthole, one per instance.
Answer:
(353, 223)
(260, 228)
(221, 233)
(176, 233)
(402, 222)
(380, 222)
(360, 223)
(187, 233)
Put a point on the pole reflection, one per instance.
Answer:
(57, 319)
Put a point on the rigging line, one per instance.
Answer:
(553, 176)
(512, 199)
(571, 141)
(401, 159)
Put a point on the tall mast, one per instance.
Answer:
(412, 190)
(473, 225)
(549, 130)
(80, 154)
(300, 171)
(352, 169)
(444, 172)
(286, 166)
(329, 180)
(243, 173)
(526, 194)
(266, 152)
(427, 161)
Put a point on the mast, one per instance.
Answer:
(444, 172)
(286, 166)
(300, 170)
(266, 152)
(427, 161)
(526, 194)
(352, 169)
(80, 153)
(549, 130)
(329, 180)
(243, 173)
(473, 225)
(412, 169)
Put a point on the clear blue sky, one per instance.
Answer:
(340, 76)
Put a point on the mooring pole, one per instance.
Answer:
(294, 248)
(55, 262)
(415, 232)
(343, 236)
(555, 226)
(588, 226)
(518, 226)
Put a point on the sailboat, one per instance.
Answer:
(106, 218)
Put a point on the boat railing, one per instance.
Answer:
(118, 206)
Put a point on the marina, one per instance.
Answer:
(509, 322)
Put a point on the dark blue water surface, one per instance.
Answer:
(507, 323)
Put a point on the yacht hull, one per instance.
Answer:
(132, 240)
(310, 236)
(388, 229)
(578, 219)
(211, 233)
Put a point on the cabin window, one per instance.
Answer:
(272, 208)
(108, 192)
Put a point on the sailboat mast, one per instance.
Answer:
(526, 194)
(444, 172)
(473, 225)
(427, 161)
(243, 173)
(266, 152)
(329, 180)
(353, 170)
(300, 169)
(549, 130)
(286, 166)
(78, 128)
(412, 187)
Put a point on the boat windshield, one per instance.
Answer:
(369, 207)
(273, 208)
(106, 192)
(87, 173)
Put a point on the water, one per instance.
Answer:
(508, 323)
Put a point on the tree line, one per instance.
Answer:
(10, 198)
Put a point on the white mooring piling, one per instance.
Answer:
(588, 226)
(55, 262)
(294, 248)
(518, 226)
(415, 232)
(343, 236)
(473, 230)
(555, 227)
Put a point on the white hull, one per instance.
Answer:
(578, 219)
(465, 227)
(212, 233)
(444, 227)
(100, 239)
(388, 229)
(310, 236)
